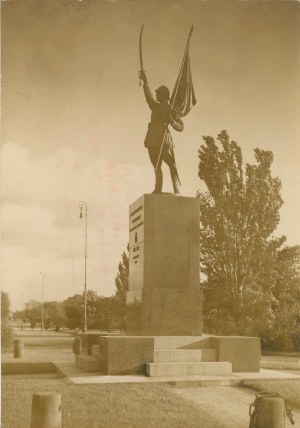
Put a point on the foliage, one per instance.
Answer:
(285, 332)
(101, 319)
(54, 315)
(74, 307)
(239, 212)
(121, 281)
(6, 330)
(101, 313)
(31, 313)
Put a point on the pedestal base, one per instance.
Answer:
(164, 295)
(174, 355)
(165, 312)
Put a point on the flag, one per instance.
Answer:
(183, 96)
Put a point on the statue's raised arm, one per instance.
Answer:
(166, 111)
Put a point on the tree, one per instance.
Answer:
(285, 333)
(91, 304)
(34, 312)
(121, 279)
(73, 307)
(54, 315)
(6, 330)
(118, 305)
(239, 212)
(31, 313)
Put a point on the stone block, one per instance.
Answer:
(87, 363)
(92, 339)
(96, 351)
(188, 369)
(84, 342)
(89, 339)
(165, 312)
(125, 354)
(184, 355)
(164, 296)
(243, 352)
(189, 342)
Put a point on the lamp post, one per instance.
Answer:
(43, 277)
(83, 214)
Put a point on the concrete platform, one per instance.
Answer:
(78, 376)
(184, 355)
(186, 369)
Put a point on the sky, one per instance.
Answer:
(74, 121)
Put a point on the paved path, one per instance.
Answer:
(229, 405)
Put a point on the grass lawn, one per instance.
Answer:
(287, 388)
(95, 406)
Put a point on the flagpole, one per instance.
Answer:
(173, 100)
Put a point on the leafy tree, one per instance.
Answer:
(54, 315)
(6, 330)
(239, 212)
(74, 307)
(285, 333)
(91, 304)
(118, 306)
(20, 315)
(74, 310)
(31, 313)
(121, 279)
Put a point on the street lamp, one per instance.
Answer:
(43, 277)
(83, 214)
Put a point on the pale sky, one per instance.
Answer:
(74, 120)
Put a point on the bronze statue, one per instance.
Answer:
(158, 130)
(167, 111)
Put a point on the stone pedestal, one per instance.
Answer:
(164, 296)
(164, 305)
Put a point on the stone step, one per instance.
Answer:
(173, 342)
(87, 363)
(96, 351)
(184, 355)
(186, 369)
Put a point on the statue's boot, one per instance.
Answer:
(175, 181)
(158, 181)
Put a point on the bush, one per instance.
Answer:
(281, 343)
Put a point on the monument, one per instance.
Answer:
(163, 301)
(164, 296)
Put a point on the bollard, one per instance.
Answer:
(77, 346)
(18, 348)
(46, 410)
(268, 411)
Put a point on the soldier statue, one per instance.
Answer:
(159, 135)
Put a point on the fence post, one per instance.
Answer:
(18, 348)
(268, 411)
(77, 346)
(46, 410)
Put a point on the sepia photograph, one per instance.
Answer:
(150, 241)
